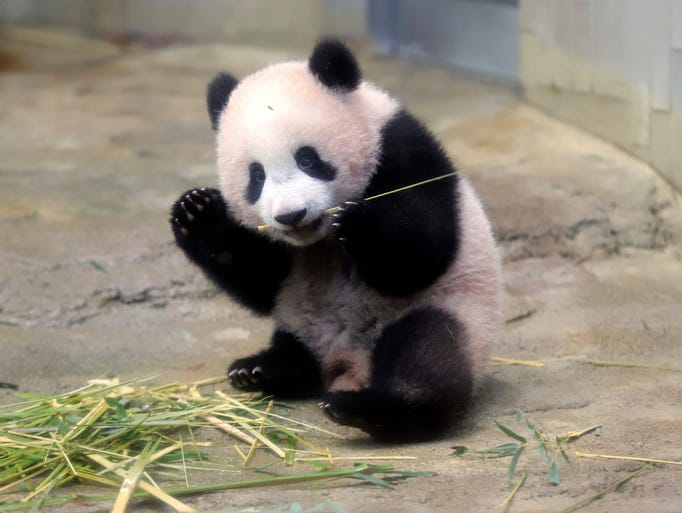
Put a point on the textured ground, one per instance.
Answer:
(95, 145)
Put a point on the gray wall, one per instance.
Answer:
(245, 21)
(478, 35)
(613, 67)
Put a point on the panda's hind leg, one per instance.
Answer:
(285, 369)
(421, 381)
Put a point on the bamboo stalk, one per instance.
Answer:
(610, 488)
(331, 210)
(611, 363)
(513, 493)
(254, 445)
(626, 458)
(151, 490)
(131, 478)
(498, 360)
(224, 426)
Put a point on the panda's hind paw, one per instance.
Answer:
(346, 408)
(245, 378)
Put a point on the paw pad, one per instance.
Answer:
(194, 208)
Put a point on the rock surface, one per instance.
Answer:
(95, 146)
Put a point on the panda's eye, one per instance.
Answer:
(257, 172)
(306, 163)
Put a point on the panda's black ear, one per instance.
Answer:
(334, 65)
(217, 94)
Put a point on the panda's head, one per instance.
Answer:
(295, 139)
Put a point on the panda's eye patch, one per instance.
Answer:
(308, 161)
(257, 172)
(256, 181)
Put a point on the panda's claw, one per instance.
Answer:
(245, 378)
(329, 412)
(184, 231)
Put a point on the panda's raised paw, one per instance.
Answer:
(195, 210)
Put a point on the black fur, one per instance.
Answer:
(403, 242)
(246, 264)
(421, 381)
(309, 161)
(335, 66)
(217, 94)
(287, 368)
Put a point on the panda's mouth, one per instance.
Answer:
(312, 226)
(303, 234)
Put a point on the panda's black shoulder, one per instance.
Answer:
(409, 153)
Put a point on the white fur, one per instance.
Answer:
(272, 113)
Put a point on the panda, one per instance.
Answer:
(385, 309)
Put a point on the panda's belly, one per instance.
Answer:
(336, 315)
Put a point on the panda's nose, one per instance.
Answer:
(292, 218)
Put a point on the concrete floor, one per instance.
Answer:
(96, 144)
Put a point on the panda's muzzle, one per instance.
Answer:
(292, 219)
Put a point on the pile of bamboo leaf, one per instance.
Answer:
(121, 434)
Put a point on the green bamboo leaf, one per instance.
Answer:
(459, 450)
(542, 450)
(371, 479)
(510, 433)
(335, 508)
(514, 461)
(409, 473)
(499, 451)
(120, 412)
(98, 266)
(553, 476)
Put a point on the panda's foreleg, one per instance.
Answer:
(286, 369)
(421, 380)
(401, 244)
(247, 265)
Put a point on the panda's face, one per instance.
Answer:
(289, 193)
(290, 147)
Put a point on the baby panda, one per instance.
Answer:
(385, 309)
